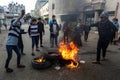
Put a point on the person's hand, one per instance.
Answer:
(23, 12)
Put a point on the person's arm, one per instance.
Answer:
(43, 30)
(95, 24)
(20, 17)
(29, 30)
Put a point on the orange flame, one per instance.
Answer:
(69, 52)
(40, 60)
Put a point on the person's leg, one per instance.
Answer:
(56, 40)
(99, 46)
(9, 55)
(22, 47)
(17, 51)
(41, 39)
(36, 43)
(52, 40)
(9, 52)
(87, 35)
(33, 44)
(104, 48)
(64, 38)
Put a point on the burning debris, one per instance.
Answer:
(69, 52)
(67, 56)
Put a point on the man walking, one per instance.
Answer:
(86, 29)
(40, 30)
(105, 30)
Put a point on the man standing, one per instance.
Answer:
(50, 24)
(40, 30)
(86, 29)
(12, 43)
(105, 30)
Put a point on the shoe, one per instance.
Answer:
(57, 46)
(37, 50)
(33, 54)
(52, 46)
(23, 53)
(9, 70)
(20, 66)
(103, 59)
(96, 62)
(41, 46)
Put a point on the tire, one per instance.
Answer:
(42, 65)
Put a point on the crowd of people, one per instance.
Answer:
(107, 31)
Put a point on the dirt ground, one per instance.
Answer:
(108, 70)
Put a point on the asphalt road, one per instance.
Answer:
(108, 70)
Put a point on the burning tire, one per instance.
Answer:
(41, 65)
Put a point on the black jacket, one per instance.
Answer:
(51, 29)
(106, 29)
(40, 27)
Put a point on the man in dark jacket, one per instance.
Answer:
(40, 30)
(86, 29)
(54, 32)
(105, 31)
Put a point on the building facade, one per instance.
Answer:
(44, 11)
(87, 10)
(39, 4)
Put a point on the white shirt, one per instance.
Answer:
(54, 28)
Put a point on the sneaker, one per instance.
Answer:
(103, 59)
(20, 66)
(33, 54)
(96, 62)
(41, 46)
(37, 50)
(9, 70)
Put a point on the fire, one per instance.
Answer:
(40, 60)
(69, 52)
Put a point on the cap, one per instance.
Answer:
(104, 14)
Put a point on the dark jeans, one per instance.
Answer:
(102, 45)
(50, 38)
(65, 37)
(86, 35)
(40, 37)
(35, 41)
(9, 52)
(54, 39)
(20, 45)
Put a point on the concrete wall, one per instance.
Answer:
(69, 8)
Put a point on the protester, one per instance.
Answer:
(86, 29)
(65, 31)
(34, 34)
(20, 41)
(78, 32)
(115, 22)
(12, 43)
(54, 31)
(105, 29)
(50, 24)
(40, 30)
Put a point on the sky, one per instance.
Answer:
(29, 4)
